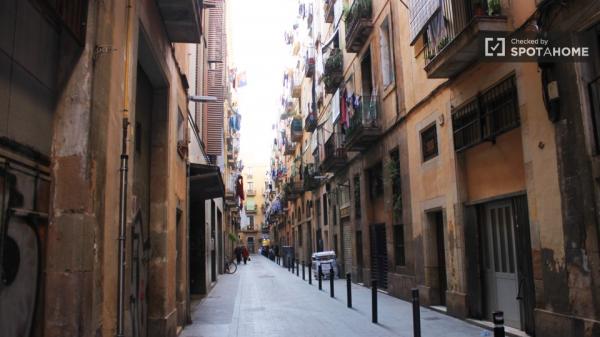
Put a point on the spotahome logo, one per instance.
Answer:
(531, 47)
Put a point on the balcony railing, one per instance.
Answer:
(309, 62)
(333, 73)
(335, 156)
(296, 130)
(328, 10)
(250, 192)
(297, 85)
(310, 180)
(451, 38)
(358, 25)
(290, 149)
(310, 122)
(293, 189)
(365, 127)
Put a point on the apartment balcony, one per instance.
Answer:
(365, 127)
(335, 156)
(294, 189)
(309, 62)
(251, 192)
(310, 122)
(358, 25)
(328, 10)
(310, 180)
(290, 149)
(296, 130)
(456, 47)
(297, 85)
(181, 19)
(333, 74)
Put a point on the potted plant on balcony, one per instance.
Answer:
(478, 9)
(494, 7)
(333, 70)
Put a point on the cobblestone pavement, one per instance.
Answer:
(264, 299)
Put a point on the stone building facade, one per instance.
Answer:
(425, 167)
(85, 87)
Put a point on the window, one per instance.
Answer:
(325, 209)
(396, 183)
(486, 116)
(181, 136)
(376, 181)
(334, 215)
(385, 48)
(399, 255)
(300, 235)
(318, 211)
(429, 143)
(251, 221)
(365, 73)
(357, 210)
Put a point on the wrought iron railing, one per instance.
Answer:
(365, 115)
(489, 114)
(452, 19)
(360, 10)
(334, 70)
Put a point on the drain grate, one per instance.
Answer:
(431, 318)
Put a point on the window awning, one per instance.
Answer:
(206, 182)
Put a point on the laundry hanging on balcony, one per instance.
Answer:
(235, 121)
(239, 187)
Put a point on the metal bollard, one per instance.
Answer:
(310, 274)
(416, 313)
(374, 300)
(288, 263)
(297, 268)
(292, 263)
(331, 292)
(303, 266)
(498, 318)
(319, 275)
(349, 289)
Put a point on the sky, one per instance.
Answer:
(258, 48)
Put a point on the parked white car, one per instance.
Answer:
(327, 260)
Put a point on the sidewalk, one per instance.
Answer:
(264, 299)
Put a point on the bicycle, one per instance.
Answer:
(230, 266)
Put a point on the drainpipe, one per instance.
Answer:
(123, 183)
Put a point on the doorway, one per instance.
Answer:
(441, 256)
(213, 251)
(379, 257)
(197, 229)
(436, 257)
(359, 257)
(501, 282)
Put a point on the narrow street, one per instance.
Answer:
(264, 299)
